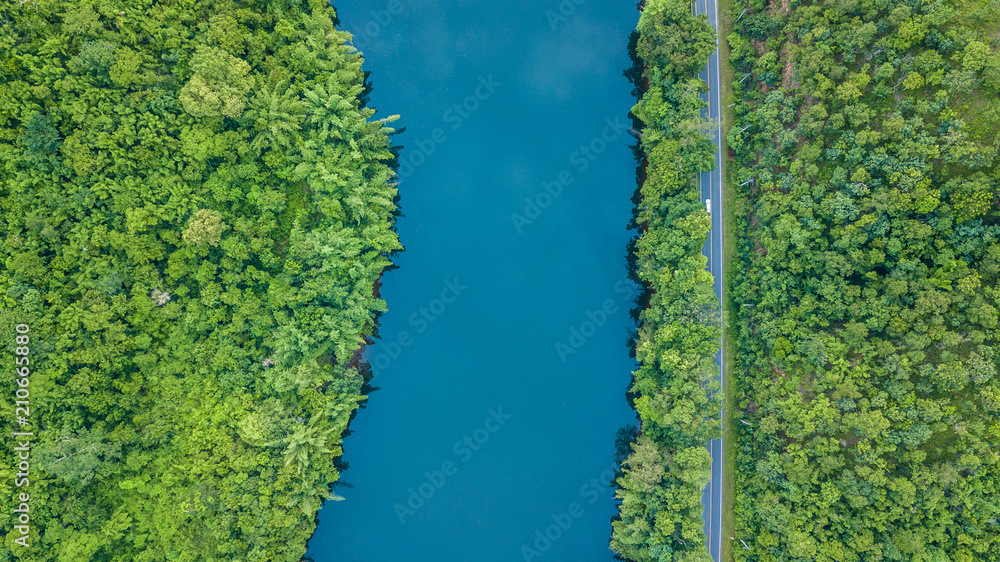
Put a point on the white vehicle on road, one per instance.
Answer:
(708, 205)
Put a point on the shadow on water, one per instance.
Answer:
(364, 368)
(627, 435)
(624, 439)
(635, 75)
(364, 99)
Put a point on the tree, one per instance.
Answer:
(79, 456)
(307, 442)
(95, 58)
(991, 73)
(40, 140)
(204, 228)
(976, 56)
(125, 70)
(973, 196)
(276, 114)
(154, 270)
(676, 42)
(219, 85)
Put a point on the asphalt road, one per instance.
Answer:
(711, 188)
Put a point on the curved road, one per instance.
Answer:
(711, 188)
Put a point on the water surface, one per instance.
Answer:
(504, 362)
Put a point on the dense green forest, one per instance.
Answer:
(660, 516)
(867, 282)
(196, 204)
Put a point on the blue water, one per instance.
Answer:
(508, 319)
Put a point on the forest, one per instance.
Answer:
(674, 389)
(866, 284)
(196, 204)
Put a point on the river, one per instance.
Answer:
(503, 361)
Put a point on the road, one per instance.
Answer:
(711, 188)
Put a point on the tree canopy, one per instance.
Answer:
(866, 290)
(196, 204)
(674, 390)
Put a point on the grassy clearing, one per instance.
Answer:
(726, 78)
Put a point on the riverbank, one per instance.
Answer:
(680, 324)
(194, 268)
(492, 342)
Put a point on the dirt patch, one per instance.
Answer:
(759, 249)
(788, 81)
(807, 387)
(850, 442)
(783, 8)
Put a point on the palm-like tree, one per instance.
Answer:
(309, 495)
(277, 114)
(308, 441)
(326, 106)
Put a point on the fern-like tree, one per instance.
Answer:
(276, 115)
(308, 441)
